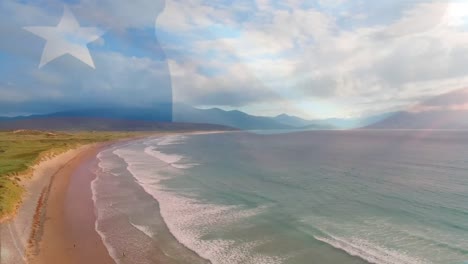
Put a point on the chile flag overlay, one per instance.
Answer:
(82, 55)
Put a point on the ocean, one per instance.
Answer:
(325, 197)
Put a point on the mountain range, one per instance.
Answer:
(141, 119)
(241, 120)
(447, 111)
(101, 124)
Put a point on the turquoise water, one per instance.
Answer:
(311, 197)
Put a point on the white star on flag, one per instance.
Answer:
(67, 38)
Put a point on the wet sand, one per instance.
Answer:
(64, 223)
(56, 221)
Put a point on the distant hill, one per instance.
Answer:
(301, 123)
(100, 124)
(331, 123)
(292, 121)
(241, 120)
(352, 123)
(142, 117)
(425, 120)
(238, 119)
(448, 111)
(140, 114)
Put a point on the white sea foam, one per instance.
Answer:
(105, 240)
(368, 251)
(173, 160)
(381, 241)
(189, 219)
(184, 166)
(363, 239)
(363, 223)
(167, 158)
(106, 164)
(170, 140)
(144, 229)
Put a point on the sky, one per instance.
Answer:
(112, 56)
(314, 59)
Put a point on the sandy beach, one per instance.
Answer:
(55, 223)
(65, 232)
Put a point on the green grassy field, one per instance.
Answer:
(20, 150)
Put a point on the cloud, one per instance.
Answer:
(336, 58)
(131, 69)
(234, 87)
(304, 52)
(453, 101)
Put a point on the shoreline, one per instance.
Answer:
(163, 248)
(38, 232)
(16, 231)
(56, 221)
(63, 223)
(64, 228)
